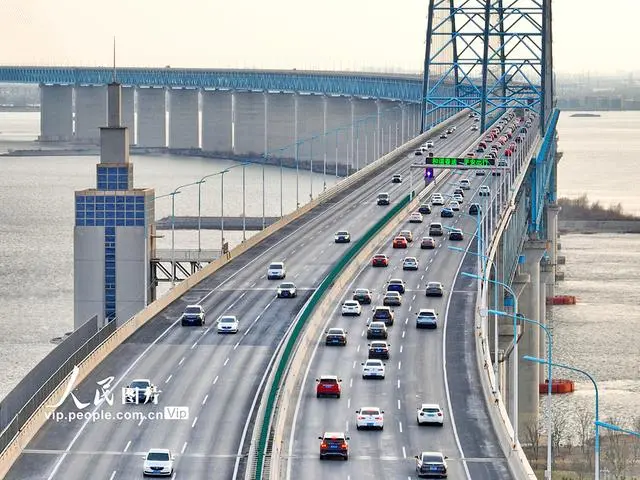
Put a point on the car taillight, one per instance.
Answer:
(378, 418)
(439, 414)
(343, 446)
(323, 445)
(360, 417)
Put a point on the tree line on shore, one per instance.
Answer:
(581, 208)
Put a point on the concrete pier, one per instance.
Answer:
(338, 115)
(528, 281)
(152, 111)
(91, 113)
(249, 123)
(281, 124)
(128, 112)
(310, 123)
(184, 127)
(365, 113)
(217, 129)
(56, 113)
(390, 116)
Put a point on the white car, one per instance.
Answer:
(431, 464)
(437, 199)
(373, 368)
(351, 307)
(228, 324)
(158, 462)
(342, 237)
(287, 290)
(453, 205)
(430, 413)
(370, 417)
(484, 191)
(474, 128)
(458, 198)
(415, 217)
(276, 271)
(429, 144)
(465, 184)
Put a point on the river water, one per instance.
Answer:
(601, 334)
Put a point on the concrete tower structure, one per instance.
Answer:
(113, 228)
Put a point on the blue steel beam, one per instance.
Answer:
(389, 87)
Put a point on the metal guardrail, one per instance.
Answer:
(304, 316)
(185, 255)
(52, 383)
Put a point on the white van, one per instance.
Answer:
(276, 271)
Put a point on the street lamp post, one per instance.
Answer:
(297, 176)
(615, 428)
(222, 209)
(547, 473)
(597, 413)
(515, 349)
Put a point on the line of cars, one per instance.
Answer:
(335, 444)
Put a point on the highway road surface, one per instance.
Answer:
(217, 377)
(425, 366)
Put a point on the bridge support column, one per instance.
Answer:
(404, 121)
(128, 112)
(281, 125)
(217, 118)
(152, 118)
(310, 124)
(338, 134)
(365, 114)
(552, 234)
(529, 306)
(56, 113)
(547, 284)
(248, 124)
(390, 116)
(184, 128)
(91, 113)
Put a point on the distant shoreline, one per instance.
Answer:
(587, 115)
(19, 108)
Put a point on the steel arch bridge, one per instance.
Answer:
(405, 88)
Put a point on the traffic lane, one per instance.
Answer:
(477, 436)
(375, 392)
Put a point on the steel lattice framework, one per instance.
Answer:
(491, 54)
(406, 88)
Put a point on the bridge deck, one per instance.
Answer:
(215, 223)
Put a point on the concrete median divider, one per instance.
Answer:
(270, 441)
(39, 418)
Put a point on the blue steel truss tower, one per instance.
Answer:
(488, 55)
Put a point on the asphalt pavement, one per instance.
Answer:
(425, 366)
(217, 377)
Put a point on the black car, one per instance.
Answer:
(474, 209)
(424, 208)
(336, 336)
(377, 330)
(456, 235)
(446, 213)
(334, 444)
(383, 314)
(480, 172)
(362, 295)
(396, 285)
(397, 178)
(379, 350)
(434, 289)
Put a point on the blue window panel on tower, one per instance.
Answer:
(120, 215)
(130, 200)
(109, 199)
(90, 223)
(140, 214)
(100, 207)
(80, 222)
(129, 214)
(120, 200)
(123, 170)
(139, 199)
(140, 222)
(130, 223)
(80, 204)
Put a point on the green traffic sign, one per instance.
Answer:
(461, 162)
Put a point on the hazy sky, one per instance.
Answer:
(331, 34)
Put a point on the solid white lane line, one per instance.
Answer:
(127, 446)
(184, 447)
(225, 362)
(205, 399)
(168, 379)
(215, 380)
(194, 422)
(113, 475)
(181, 361)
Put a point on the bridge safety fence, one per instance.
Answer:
(289, 348)
(30, 394)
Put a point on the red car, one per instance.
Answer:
(399, 242)
(328, 386)
(380, 260)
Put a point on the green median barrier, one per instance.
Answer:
(304, 317)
